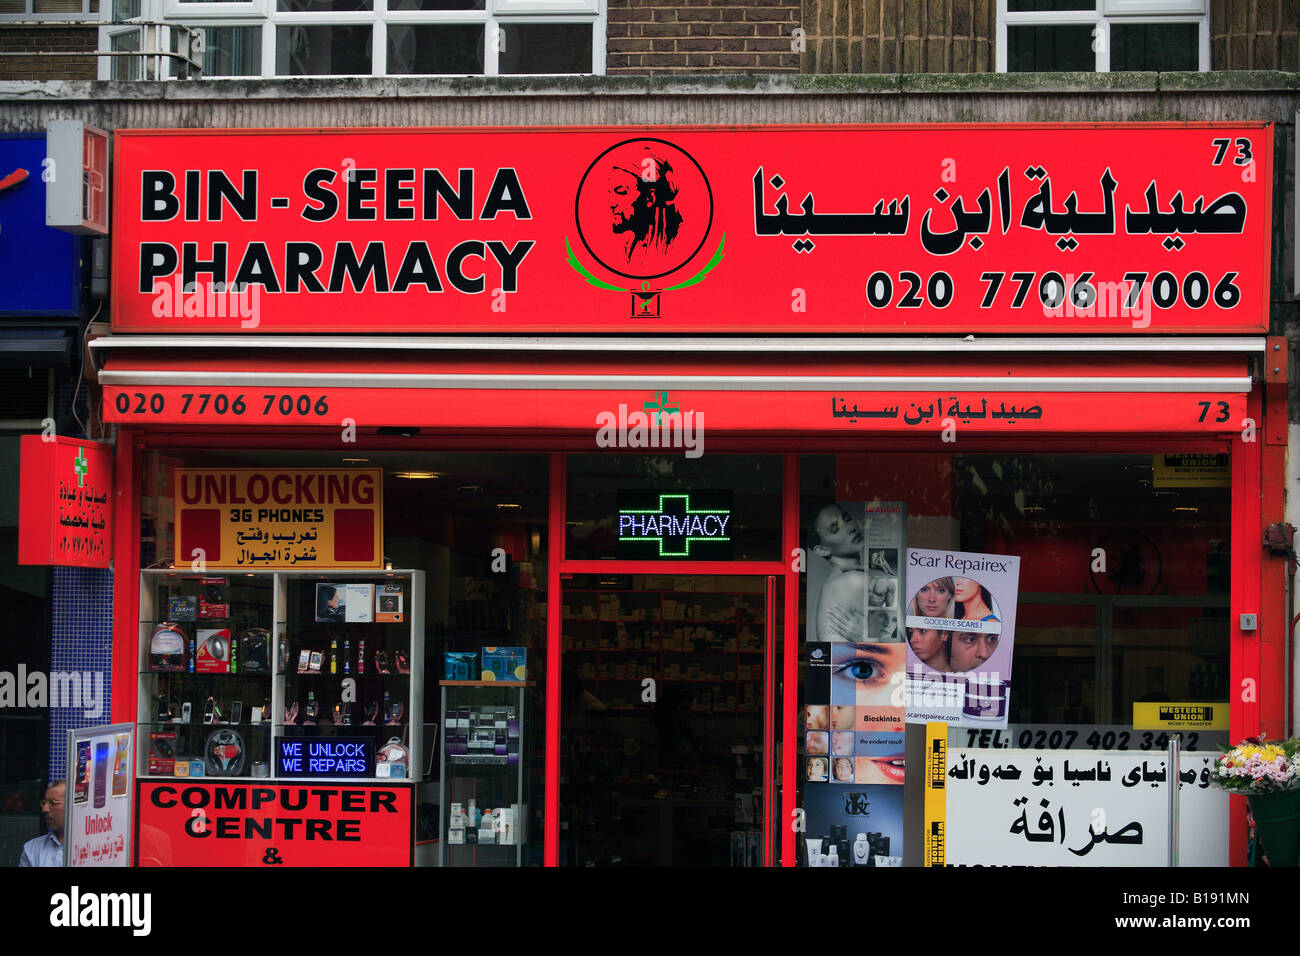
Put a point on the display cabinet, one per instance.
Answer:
(711, 642)
(482, 813)
(281, 675)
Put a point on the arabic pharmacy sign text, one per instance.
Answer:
(65, 502)
(687, 524)
(292, 518)
(993, 228)
(1028, 808)
(268, 824)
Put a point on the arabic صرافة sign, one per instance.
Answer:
(987, 228)
(675, 525)
(292, 518)
(65, 506)
(1029, 808)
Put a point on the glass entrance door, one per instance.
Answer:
(662, 719)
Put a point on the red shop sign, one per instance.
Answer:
(1147, 228)
(65, 502)
(180, 823)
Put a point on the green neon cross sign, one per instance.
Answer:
(645, 525)
(81, 466)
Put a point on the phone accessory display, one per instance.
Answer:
(167, 647)
(182, 608)
(214, 650)
(255, 646)
(223, 753)
(291, 714)
(392, 759)
(372, 714)
(214, 599)
(389, 599)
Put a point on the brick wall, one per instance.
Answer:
(1255, 35)
(701, 36)
(899, 36)
(63, 39)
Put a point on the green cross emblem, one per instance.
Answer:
(81, 466)
(663, 405)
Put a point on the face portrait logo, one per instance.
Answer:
(644, 210)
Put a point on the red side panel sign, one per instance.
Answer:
(269, 824)
(1144, 228)
(65, 502)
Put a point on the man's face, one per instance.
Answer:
(838, 532)
(52, 809)
(624, 195)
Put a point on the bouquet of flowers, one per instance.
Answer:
(1258, 766)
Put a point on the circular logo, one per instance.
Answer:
(644, 208)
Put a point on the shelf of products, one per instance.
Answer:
(482, 812)
(614, 637)
(235, 666)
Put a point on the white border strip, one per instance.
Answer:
(653, 344)
(797, 383)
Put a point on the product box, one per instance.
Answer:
(162, 752)
(213, 655)
(182, 608)
(505, 663)
(345, 603)
(456, 835)
(389, 603)
(214, 599)
(458, 665)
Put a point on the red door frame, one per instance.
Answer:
(1251, 656)
(559, 566)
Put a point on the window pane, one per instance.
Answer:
(233, 51)
(436, 5)
(545, 48)
(1038, 6)
(1155, 46)
(126, 67)
(435, 49)
(56, 6)
(13, 6)
(323, 6)
(125, 9)
(599, 487)
(322, 50)
(1050, 49)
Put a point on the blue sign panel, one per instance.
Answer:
(325, 757)
(40, 267)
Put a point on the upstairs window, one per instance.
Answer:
(1102, 35)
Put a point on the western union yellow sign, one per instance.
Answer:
(1154, 715)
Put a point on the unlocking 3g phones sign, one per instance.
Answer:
(266, 824)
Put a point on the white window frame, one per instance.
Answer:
(29, 14)
(1102, 16)
(263, 13)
